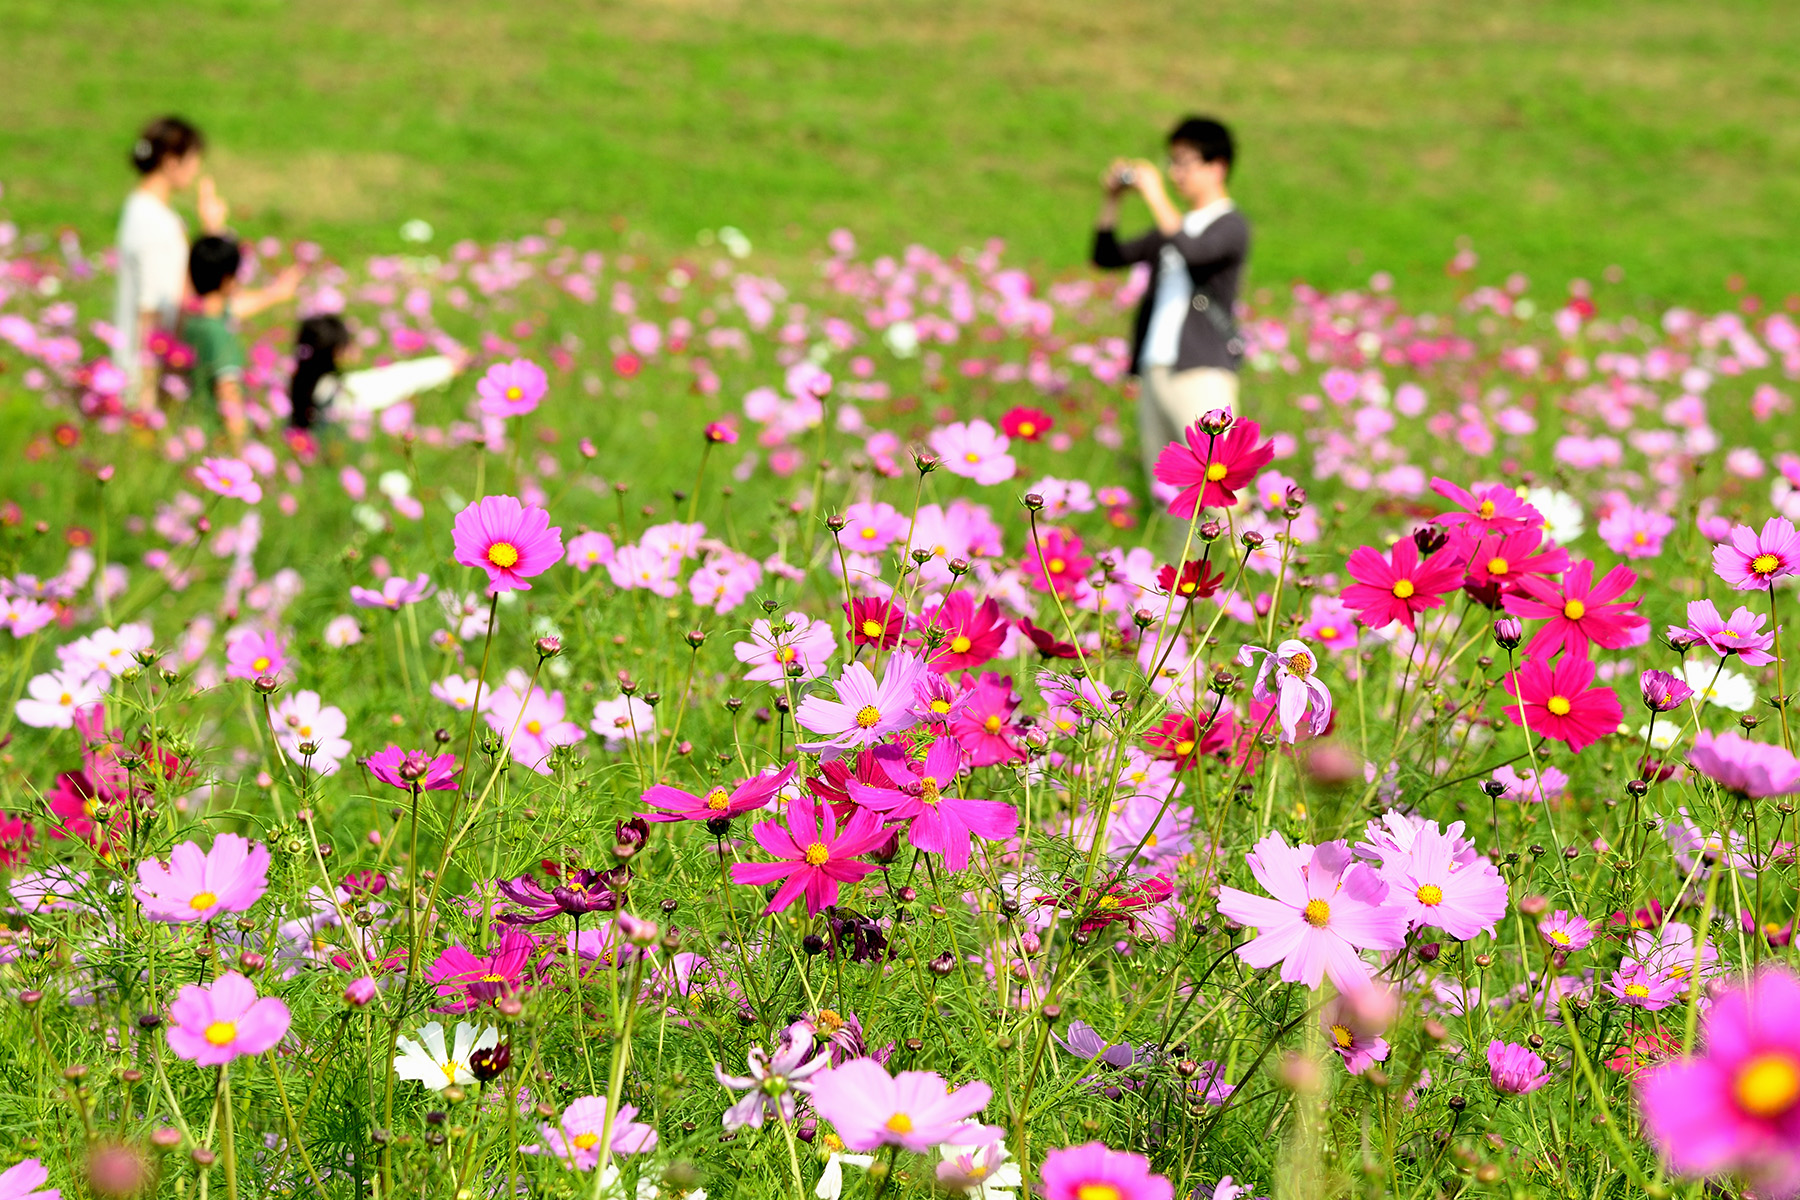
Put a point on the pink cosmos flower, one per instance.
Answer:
(1399, 586)
(1325, 909)
(865, 711)
(814, 856)
(1564, 930)
(198, 885)
(915, 1110)
(1755, 769)
(1632, 532)
(1531, 787)
(774, 644)
(251, 655)
(20, 1181)
(473, 981)
(511, 389)
(1580, 612)
(1094, 1172)
(576, 1137)
(508, 540)
(1662, 691)
(1295, 688)
(1514, 1069)
(396, 593)
(971, 634)
(407, 769)
(1210, 470)
(22, 616)
(750, 794)
(1056, 563)
(975, 450)
(53, 698)
(1752, 561)
(871, 526)
(586, 551)
(919, 793)
(634, 566)
(1356, 1038)
(776, 1081)
(212, 1025)
(536, 723)
(229, 477)
(311, 732)
(1436, 886)
(983, 723)
(1330, 622)
(1742, 635)
(1487, 509)
(1556, 701)
(1640, 987)
(1736, 1105)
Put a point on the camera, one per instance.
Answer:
(1125, 177)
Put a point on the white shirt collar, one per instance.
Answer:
(1194, 223)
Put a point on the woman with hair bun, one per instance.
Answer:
(153, 246)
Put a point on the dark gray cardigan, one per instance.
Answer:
(1215, 262)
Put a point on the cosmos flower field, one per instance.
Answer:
(759, 732)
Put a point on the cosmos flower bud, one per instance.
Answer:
(1429, 539)
(1034, 502)
(1663, 692)
(1210, 531)
(487, 1063)
(1216, 421)
(1509, 632)
(637, 930)
(925, 461)
(836, 522)
(587, 448)
(360, 992)
(549, 647)
(1252, 540)
(958, 567)
(695, 638)
(265, 684)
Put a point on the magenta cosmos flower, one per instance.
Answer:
(919, 794)
(1399, 586)
(1751, 561)
(1580, 612)
(229, 477)
(1487, 508)
(1325, 911)
(1741, 634)
(407, 769)
(749, 795)
(1096, 1172)
(396, 593)
(814, 855)
(1737, 764)
(1514, 1069)
(915, 1110)
(1556, 701)
(251, 655)
(198, 885)
(512, 389)
(213, 1025)
(508, 540)
(1210, 470)
(1735, 1106)
(865, 711)
(1564, 930)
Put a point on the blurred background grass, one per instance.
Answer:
(1560, 137)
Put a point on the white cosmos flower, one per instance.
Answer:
(52, 698)
(1731, 690)
(1563, 519)
(428, 1062)
(1661, 737)
(831, 1180)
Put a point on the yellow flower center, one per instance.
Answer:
(992, 724)
(492, 978)
(534, 727)
(1764, 564)
(65, 700)
(971, 457)
(1485, 509)
(1215, 472)
(717, 800)
(1431, 894)
(816, 854)
(584, 1141)
(785, 654)
(1574, 610)
(872, 628)
(221, 1033)
(1026, 429)
(1640, 538)
(260, 663)
(1184, 748)
(1560, 937)
(203, 900)
(1301, 665)
(1498, 566)
(1342, 1036)
(450, 1069)
(1096, 1191)
(1636, 990)
(503, 555)
(1769, 1085)
(900, 1123)
(1328, 632)
(867, 716)
(960, 644)
(513, 393)
(1558, 705)
(870, 533)
(1317, 913)
(829, 1021)
(1058, 566)
(929, 791)
(940, 706)
(1403, 589)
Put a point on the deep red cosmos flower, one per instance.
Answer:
(1029, 424)
(1046, 642)
(1399, 587)
(1117, 903)
(1556, 701)
(1209, 470)
(1580, 611)
(874, 622)
(1197, 580)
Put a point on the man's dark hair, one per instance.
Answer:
(163, 139)
(1206, 135)
(211, 262)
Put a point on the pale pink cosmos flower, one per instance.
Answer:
(725, 581)
(915, 1110)
(22, 616)
(870, 526)
(865, 711)
(777, 644)
(1356, 1038)
(110, 650)
(396, 593)
(198, 885)
(1323, 912)
(1294, 687)
(1331, 623)
(624, 719)
(212, 1025)
(229, 477)
(1752, 561)
(509, 540)
(1742, 634)
(1437, 889)
(51, 699)
(1531, 787)
(311, 732)
(635, 566)
(975, 450)
(21, 1181)
(535, 722)
(459, 693)
(674, 539)
(586, 551)
(1633, 532)
(511, 389)
(576, 1137)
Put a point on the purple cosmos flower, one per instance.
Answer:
(1643, 988)
(1514, 1069)
(1531, 787)
(1084, 1043)
(1295, 688)
(774, 1080)
(865, 711)
(584, 891)
(396, 593)
(1741, 635)
(1664, 692)
(919, 793)
(407, 769)
(749, 795)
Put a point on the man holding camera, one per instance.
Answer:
(1186, 347)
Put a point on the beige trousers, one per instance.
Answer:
(1169, 401)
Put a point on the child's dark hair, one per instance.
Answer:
(211, 262)
(1211, 139)
(316, 350)
(163, 139)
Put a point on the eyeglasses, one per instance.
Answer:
(1184, 162)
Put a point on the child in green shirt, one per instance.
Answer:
(219, 360)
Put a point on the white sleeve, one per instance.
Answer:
(380, 387)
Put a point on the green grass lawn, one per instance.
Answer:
(1661, 137)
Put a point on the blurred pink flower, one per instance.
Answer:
(511, 389)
